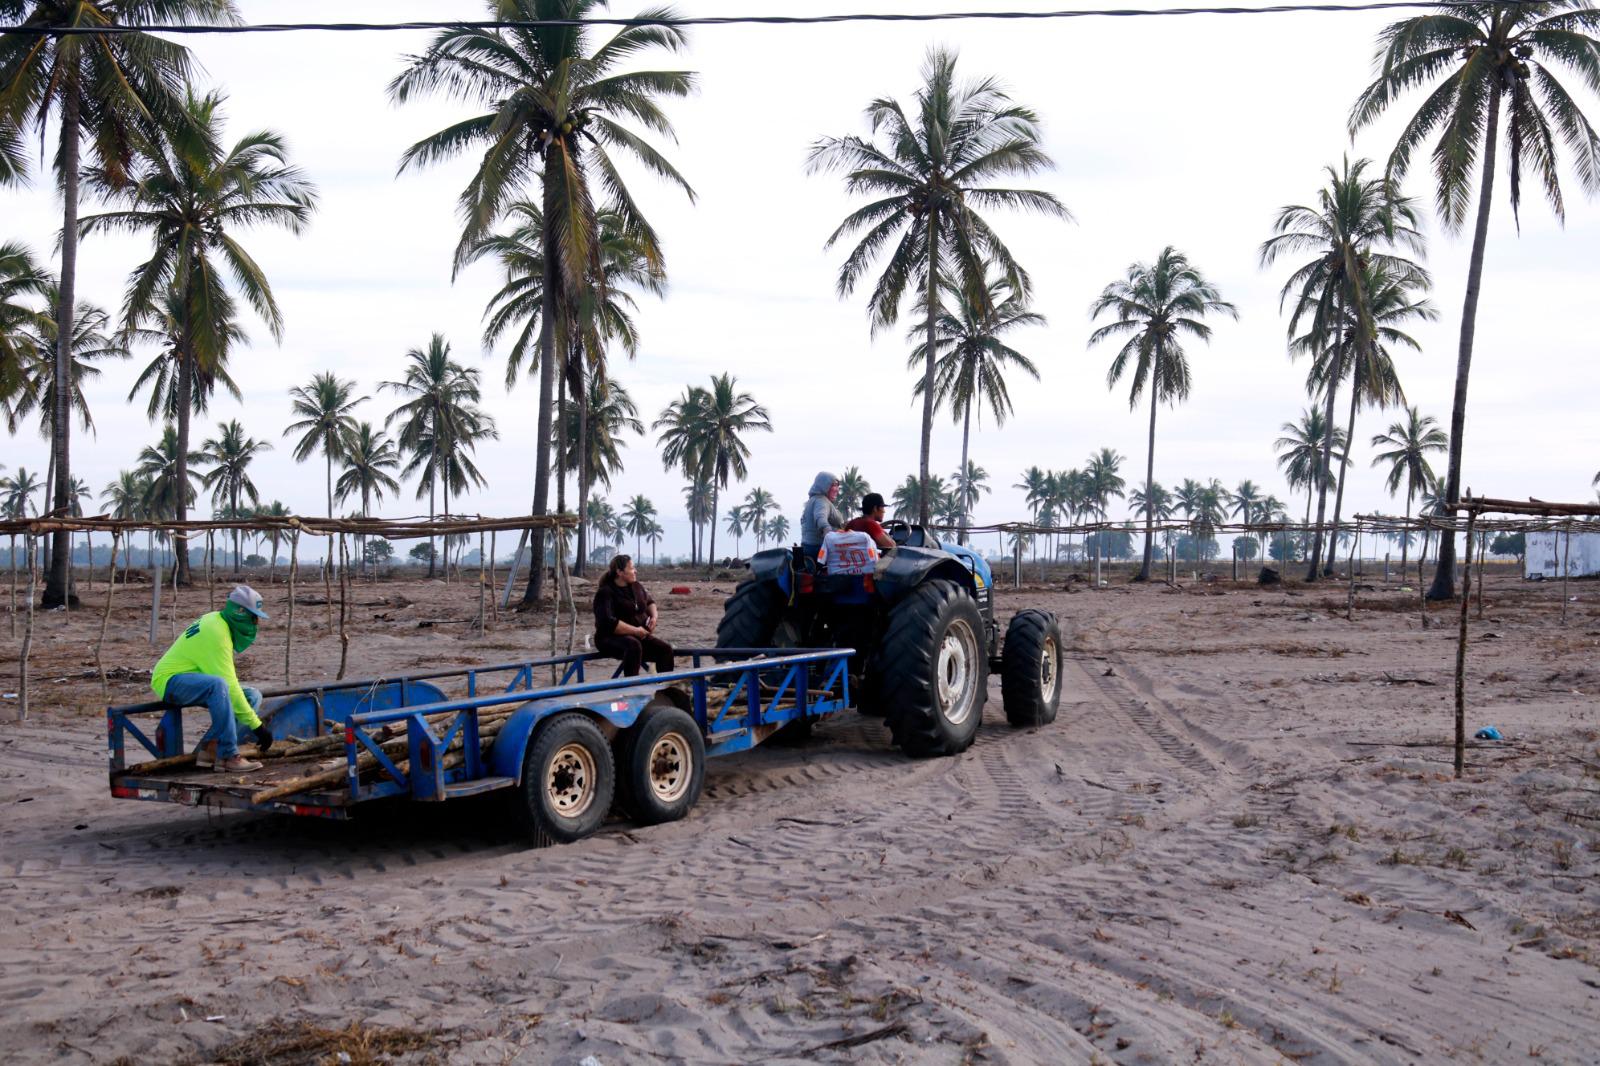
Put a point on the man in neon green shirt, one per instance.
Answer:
(197, 671)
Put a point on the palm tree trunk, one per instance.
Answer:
(561, 438)
(961, 485)
(1344, 464)
(238, 563)
(58, 585)
(1326, 462)
(180, 541)
(580, 389)
(1405, 542)
(1149, 486)
(547, 388)
(1444, 572)
(711, 555)
(923, 501)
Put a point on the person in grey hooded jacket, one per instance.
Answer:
(819, 515)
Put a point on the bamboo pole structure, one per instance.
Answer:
(172, 616)
(1483, 547)
(13, 554)
(327, 580)
(1566, 572)
(155, 592)
(105, 617)
(288, 636)
(483, 595)
(1461, 652)
(344, 598)
(494, 606)
(211, 577)
(27, 634)
(1350, 602)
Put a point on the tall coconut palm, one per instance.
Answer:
(22, 282)
(1156, 305)
(1304, 453)
(1408, 442)
(111, 91)
(601, 518)
(1356, 220)
(637, 516)
(275, 509)
(609, 413)
(1104, 481)
(967, 487)
(1365, 350)
(230, 454)
(1246, 505)
(972, 358)
(853, 488)
(17, 494)
(160, 471)
(92, 343)
(124, 499)
(194, 199)
(325, 407)
(697, 505)
(758, 504)
(367, 462)
(908, 501)
(930, 173)
(556, 104)
(1036, 491)
(1155, 499)
(1483, 65)
(738, 522)
(441, 410)
(778, 528)
(707, 436)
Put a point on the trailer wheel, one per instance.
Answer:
(935, 672)
(1030, 669)
(662, 765)
(568, 780)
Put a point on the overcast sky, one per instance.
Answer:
(1189, 132)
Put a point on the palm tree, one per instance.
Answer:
(553, 121)
(853, 488)
(1155, 499)
(326, 422)
(1104, 482)
(703, 433)
(908, 500)
(737, 522)
(971, 360)
(92, 342)
(1409, 442)
(1486, 58)
(757, 505)
(778, 529)
(1246, 502)
(637, 516)
(193, 198)
(275, 509)
(160, 470)
(1355, 219)
(967, 487)
(1304, 452)
(654, 535)
(1036, 490)
(17, 492)
(1364, 351)
(125, 500)
(20, 278)
(697, 505)
(368, 459)
(114, 90)
(610, 412)
(230, 454)
(1156, 304)
(929, 173)
(441, 412)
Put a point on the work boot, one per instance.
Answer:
(236, 765)
(205, 756)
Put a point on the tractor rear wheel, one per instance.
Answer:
(661, 763)
(751, 617)
(568, 781)
(1030, 668)
(935, 673)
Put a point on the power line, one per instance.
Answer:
(738, 20)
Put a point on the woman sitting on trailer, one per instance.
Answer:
(625, 620)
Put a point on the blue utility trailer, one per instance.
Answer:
(561, 751)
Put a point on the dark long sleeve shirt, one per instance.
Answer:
(615, 603)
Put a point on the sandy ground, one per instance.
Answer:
(1240, 842)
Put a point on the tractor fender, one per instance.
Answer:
(775, 565)
(907, 567)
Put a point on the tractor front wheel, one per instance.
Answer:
(1030, 668)
(935, 673)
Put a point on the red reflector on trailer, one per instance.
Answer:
(313, 812)
(350, 734)
(124, 792)
(805, 583)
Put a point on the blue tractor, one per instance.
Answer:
(923, 628)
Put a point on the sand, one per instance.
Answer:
(1240, 842)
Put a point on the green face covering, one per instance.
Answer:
(241, 626)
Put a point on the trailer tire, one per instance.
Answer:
(935, 672)
(1030, 669)
(568, 781)
(661, 765)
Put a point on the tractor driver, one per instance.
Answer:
(870, 522)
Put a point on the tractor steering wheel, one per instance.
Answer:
(902, 533)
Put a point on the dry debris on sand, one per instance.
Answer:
(1240, 842)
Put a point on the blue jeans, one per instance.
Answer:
(205, 690)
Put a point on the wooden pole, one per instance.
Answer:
(1483, 547)
(1350, 601)
(155, 590)
(13, 554)
(27, 633)
(344, 583)
(1422, 586)
(1567, 569)
(294, 567)
(1461, 650)
(494, 604)
(511, 576)
(172, 616)
(327, 580)
(105, 617)
(483, 593)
